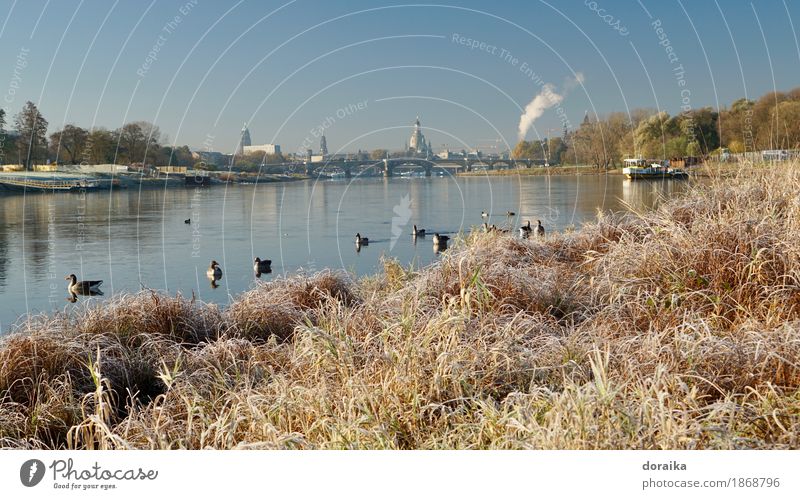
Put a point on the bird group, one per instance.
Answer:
(439, 240)
(526, 230)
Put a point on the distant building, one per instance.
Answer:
(263, 148)
(244, 140)
(417, 144)
(323, 146)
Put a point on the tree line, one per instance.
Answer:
(134, 143)
(768, 123)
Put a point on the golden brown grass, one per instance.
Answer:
(674, 329)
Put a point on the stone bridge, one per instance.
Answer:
(389, 165)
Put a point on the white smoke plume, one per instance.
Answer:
(545, 99)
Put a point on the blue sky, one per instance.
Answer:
(363, 70)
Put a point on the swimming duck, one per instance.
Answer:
(484, 214)
(187, 221)
(510, 214)
(214, 271)
(82, 287)
(262, 266)
(418, 232)
(437, 239)
(361, 240)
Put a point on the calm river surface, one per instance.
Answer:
(134, 239)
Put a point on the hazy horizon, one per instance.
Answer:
(363, 71)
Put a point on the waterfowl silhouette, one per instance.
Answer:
(437, 239)
(187, 221)
(214, 271)
(525, 230)
(418, 232)
(361, 241)
(539, 229)
(262, 266)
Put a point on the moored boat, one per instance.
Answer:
(639, 169)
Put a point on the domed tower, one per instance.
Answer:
(417, 142)
(244, 140)
(323, 146)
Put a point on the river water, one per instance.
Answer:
(135, 239)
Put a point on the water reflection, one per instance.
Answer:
(139, 239)
(73, 295)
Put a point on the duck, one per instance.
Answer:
(484, 214)
(539, 228)
(418, 232)
(525, 230)
(262, 266)
(82, 287)
(361, 240)
(510, 214)
(187, 221)
(214, 271)
(437, 239)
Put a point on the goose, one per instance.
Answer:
(525, 230)
(82, 287)
(539, 229)
(418, 232)
(361, 240)
(187, 221)
(262, 266)
(214, 271)
(437, 239)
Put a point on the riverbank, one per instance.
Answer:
(106, 181)
(673, 329)
(540, 170)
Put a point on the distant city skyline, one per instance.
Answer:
(360, 72)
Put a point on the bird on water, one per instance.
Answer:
(214, 271)
(82, 287)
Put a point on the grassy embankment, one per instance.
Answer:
(671, 329)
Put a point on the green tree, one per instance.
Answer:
(32, 135)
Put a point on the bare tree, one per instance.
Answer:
(68, 144)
